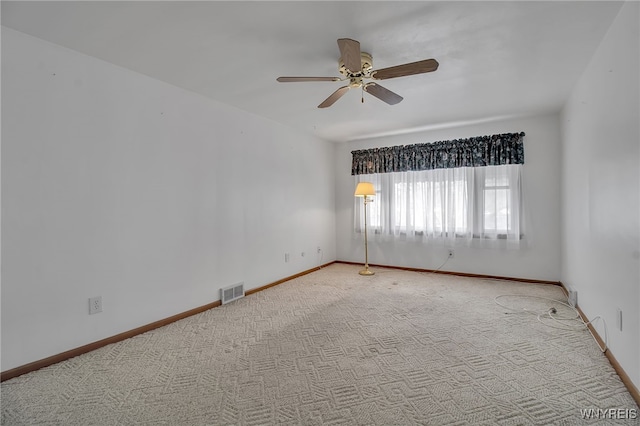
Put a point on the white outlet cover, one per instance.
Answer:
(95, 305)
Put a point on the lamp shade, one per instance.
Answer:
(364, 189)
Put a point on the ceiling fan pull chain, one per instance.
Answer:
(362, 100)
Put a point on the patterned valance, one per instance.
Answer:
(494, 150)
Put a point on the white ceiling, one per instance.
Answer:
(497, 59)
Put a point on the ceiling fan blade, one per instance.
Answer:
(382, 93)
(334, 97)
(297, 79)
(420, 67)
(350, 53)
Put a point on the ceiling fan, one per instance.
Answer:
(357, 66)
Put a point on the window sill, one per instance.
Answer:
(458, 236)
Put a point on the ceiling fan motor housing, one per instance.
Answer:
(367, 65)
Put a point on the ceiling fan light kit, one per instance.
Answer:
(366, 65)
(357, 66)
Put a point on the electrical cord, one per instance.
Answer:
(552, 313)
(440, 267)
(427, 272)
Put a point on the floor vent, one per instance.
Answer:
(229, 294)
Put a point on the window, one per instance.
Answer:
(460, 204)
(497, 204)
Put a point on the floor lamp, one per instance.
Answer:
(365, 190)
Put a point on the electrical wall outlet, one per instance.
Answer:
(95, 305)
(286, 257)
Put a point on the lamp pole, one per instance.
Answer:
(366, 270)
(365, 190)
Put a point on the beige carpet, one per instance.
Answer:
(333, 347)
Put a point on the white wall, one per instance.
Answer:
(541, 180)
(601, 188)
(118, 185)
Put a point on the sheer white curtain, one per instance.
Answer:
(470, 205)
(500, 205)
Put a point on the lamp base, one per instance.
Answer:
(366, 271)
